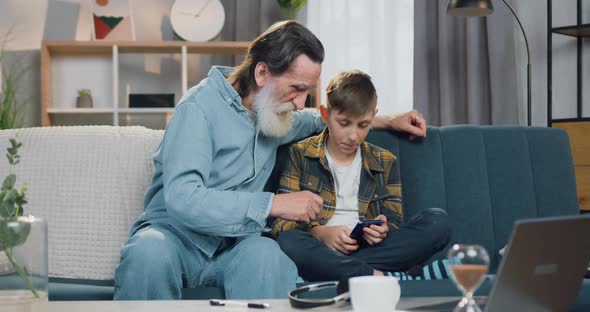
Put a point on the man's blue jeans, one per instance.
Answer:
(157, 259)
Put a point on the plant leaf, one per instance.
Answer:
(20, 200)
(295, 5)
(10, 197)
(9, 202)
(9, 182)
(5, 211)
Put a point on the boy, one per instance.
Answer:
(357, 182)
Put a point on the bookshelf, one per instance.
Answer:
(112, 50)
(577, 127)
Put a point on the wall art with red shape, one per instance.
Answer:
(112, 20)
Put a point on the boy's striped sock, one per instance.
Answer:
(436, 270)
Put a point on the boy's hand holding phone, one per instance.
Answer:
(358, 231)
(336, 237)
(375, 234)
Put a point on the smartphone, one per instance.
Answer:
(357, 232)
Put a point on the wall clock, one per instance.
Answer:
(197, 20)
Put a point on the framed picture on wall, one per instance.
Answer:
(112, 20)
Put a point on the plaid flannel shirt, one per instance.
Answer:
(308, 169)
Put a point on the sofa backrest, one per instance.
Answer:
(88, 183)
(485, 177)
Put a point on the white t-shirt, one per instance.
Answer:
(346, 183)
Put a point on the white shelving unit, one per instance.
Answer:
(109, 110)
(51, 49)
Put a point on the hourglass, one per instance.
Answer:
(469, 265)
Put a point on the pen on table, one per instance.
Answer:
(216, 302)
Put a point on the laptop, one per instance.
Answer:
(544, 265)
(542, 268)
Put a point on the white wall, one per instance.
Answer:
(25, 20)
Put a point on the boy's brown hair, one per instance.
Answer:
(351, 92)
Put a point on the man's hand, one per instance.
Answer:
(375, 234)
(411, 122)
(301, 206)
(335, 237)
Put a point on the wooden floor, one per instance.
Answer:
(579, 134)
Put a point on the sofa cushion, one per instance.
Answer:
(485, 177)
(66, 289)
(88, 183)
(79, 290)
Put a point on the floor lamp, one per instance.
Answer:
(483, 8)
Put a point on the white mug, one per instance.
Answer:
(374, 293)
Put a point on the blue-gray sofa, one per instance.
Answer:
(485, 177)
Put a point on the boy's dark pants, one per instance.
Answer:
(412, 244)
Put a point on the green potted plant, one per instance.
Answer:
(84, 99)
(290, 8)
(23, 240)
(10, 103)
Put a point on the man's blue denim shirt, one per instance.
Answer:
(212, 165)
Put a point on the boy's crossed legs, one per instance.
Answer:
(412, 244)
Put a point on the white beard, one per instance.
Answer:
(273, 118)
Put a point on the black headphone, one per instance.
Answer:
(305, 303)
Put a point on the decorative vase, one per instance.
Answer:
(5, 266)
(84, 101)
(23, 242)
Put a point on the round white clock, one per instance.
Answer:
(197, 20)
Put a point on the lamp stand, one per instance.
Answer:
(528, 56)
